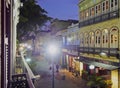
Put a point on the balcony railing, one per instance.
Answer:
(108, 51)
(100, 18)
(96, 50)
(21, 81)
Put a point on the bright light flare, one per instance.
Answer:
(91, 66)
(103, 54)
(29, 47)
(21, 48)
(28, 59)
(52, 49)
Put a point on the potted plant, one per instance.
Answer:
(108, 83)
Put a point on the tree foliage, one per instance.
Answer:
(31, 17)
(96, 81)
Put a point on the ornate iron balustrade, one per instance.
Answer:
(100, 18)
(21, 81)
(96, 50)
(108, 51)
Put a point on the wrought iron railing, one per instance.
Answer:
(93, 50)
(96, 50)
(100, 18)
(21, 81)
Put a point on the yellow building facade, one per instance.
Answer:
(99, 34)
(96, 41)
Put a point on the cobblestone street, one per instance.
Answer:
(70, 81)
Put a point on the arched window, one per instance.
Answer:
(91, 39)
(114, 38)
(97, 38)
(85, 39)
(105, 38)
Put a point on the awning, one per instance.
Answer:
(99, 63)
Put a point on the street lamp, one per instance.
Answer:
(52, 50)
(91, 66)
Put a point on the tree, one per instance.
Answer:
(31, 17)
(96, 82)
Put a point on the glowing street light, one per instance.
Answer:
(91, 66)
(28, 59)
(53, 50)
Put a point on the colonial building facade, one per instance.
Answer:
(97, 41)
(99, 36)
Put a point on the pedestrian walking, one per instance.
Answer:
(57, 68)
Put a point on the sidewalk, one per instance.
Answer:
(45, 80)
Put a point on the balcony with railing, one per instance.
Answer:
(21, 81)
(97, 50)
(107, 51)
(100, 18)
(24, 77)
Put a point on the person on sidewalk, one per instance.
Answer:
(57, 68)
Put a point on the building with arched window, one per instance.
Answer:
(99, 38)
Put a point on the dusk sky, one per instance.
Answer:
(61, 9)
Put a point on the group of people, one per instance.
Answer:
(57, 68)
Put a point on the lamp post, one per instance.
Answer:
(52, 50)
(91, 67)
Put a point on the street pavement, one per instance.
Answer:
(69, 81)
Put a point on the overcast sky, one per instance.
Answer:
(61, 9)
